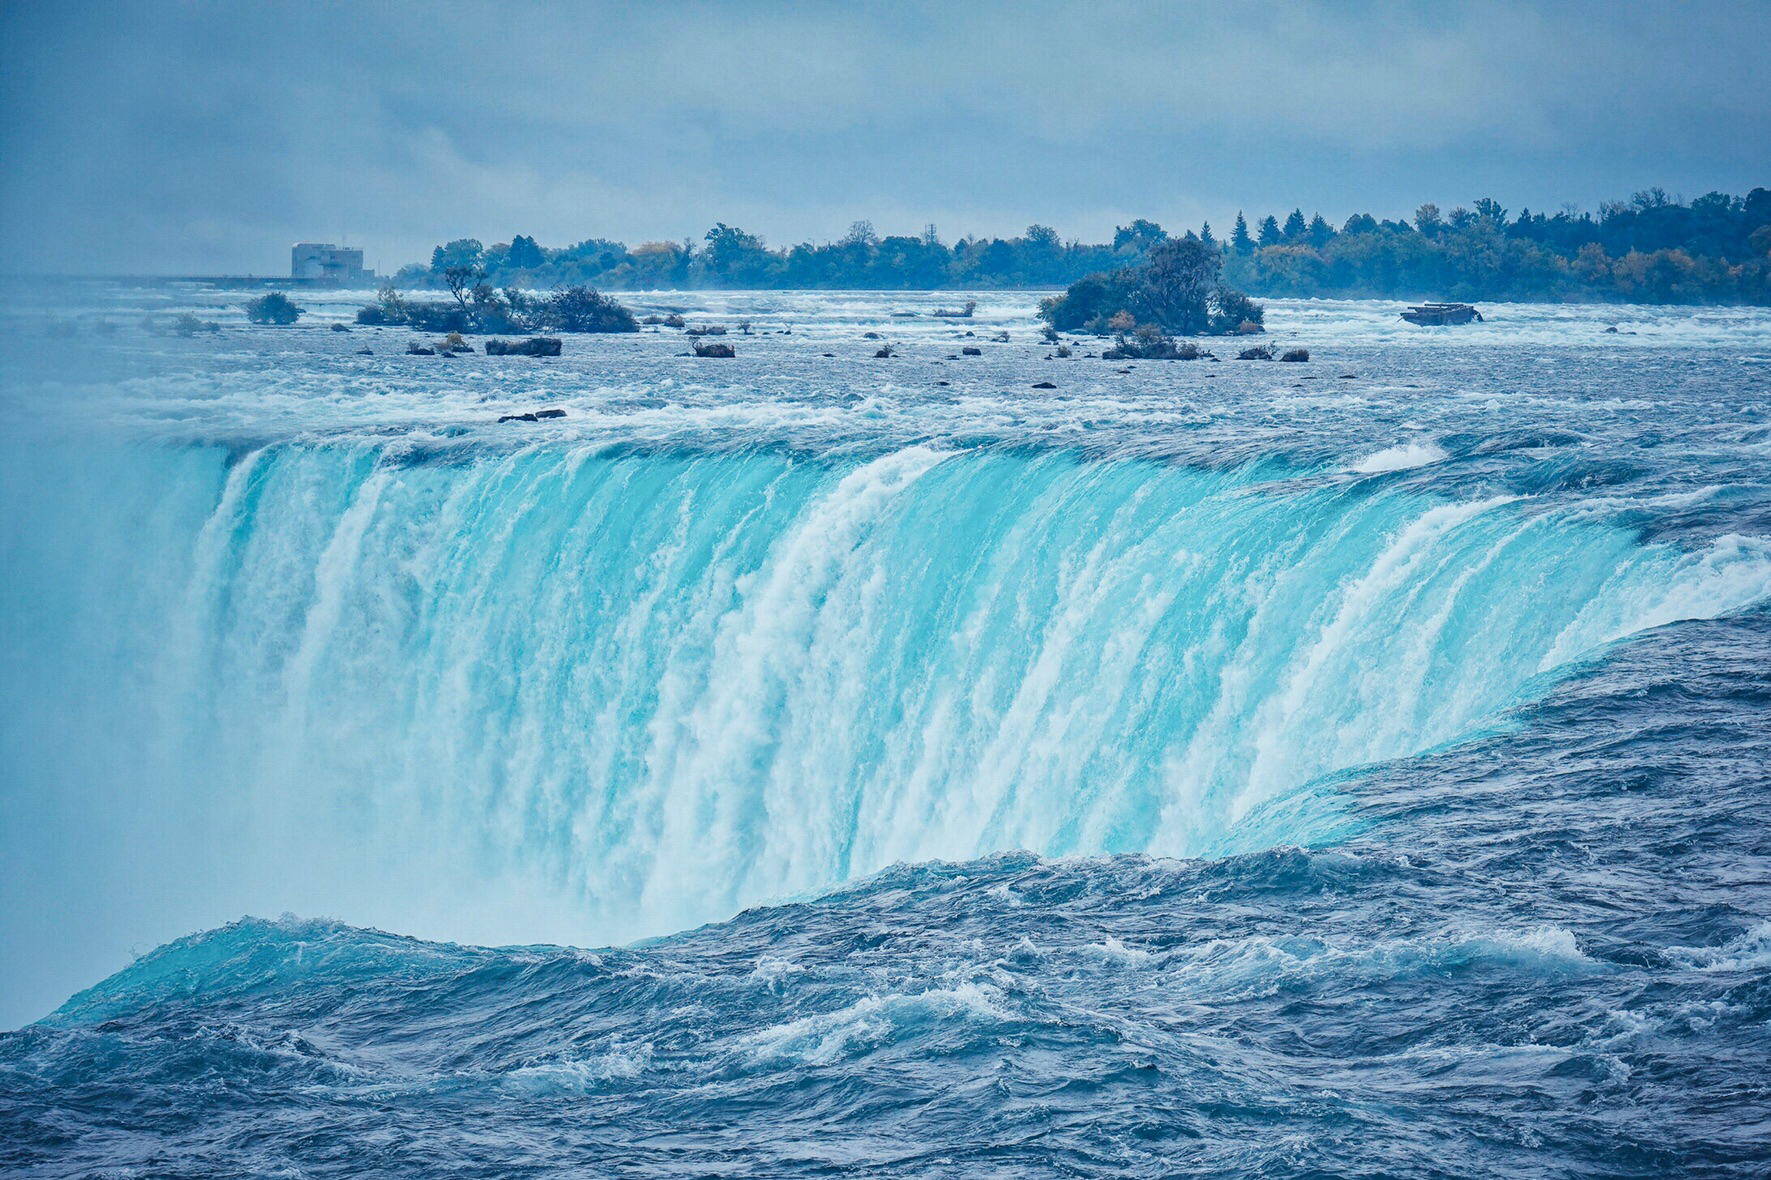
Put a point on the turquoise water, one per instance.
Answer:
(1061, 736)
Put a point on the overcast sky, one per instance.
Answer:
(206, 137)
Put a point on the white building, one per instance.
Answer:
(323, 260)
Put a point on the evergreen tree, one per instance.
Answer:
(1270, 235)
(1295, 226)
(1205, 235)
(1321, 233)
(524, 254)
(1239, 239)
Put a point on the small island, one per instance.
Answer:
(1176, 291)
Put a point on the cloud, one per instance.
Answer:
(194, 137)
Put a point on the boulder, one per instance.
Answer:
(970, 351)
(723, 351)
(534, 346)
(518, 418)
(540, 414)
(419, 350)
(1044, 385)
(1259, 352)
(1296, 354)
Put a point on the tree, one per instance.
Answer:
(1295, 225)
(860, 234)
(1488, 209)
(1270, 235)
(1426, 219)
(732, 253)
(1320, 232)
(1205, 235)
(460, 252)
(1175, 288)
(1239, 239)
(1140, 235)
(274, 308)
(584, 309)
(524, 254)
(462, 279)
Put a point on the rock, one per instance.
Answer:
(1259, 352)
(968, 350)
(534, 346)
(1044, 385)
(870, 335)
(721, 351)
(540, 414)
(1296, 354)
(1612, 330)
(419, 350)
(339, 328)
(883, 353)
(518, 418)
(365, 352)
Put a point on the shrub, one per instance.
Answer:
(584, 309)
(1150, 343)
(1233, 313)
(274, 308)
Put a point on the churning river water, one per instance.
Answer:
(1350, 768)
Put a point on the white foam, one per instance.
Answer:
(1400, 458)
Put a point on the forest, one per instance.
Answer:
(1653, 248)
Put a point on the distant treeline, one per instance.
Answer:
(1652, 248)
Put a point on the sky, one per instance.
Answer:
(206, 138)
